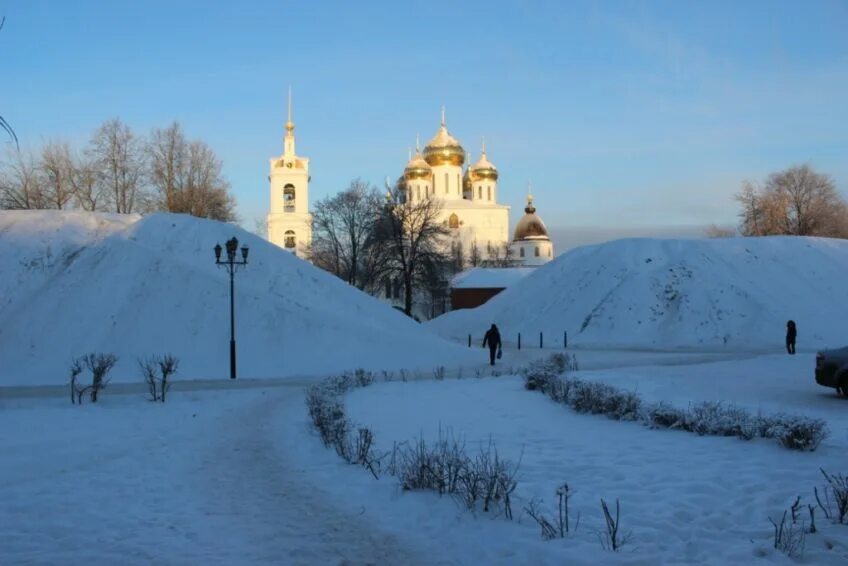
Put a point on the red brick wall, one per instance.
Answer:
(470, 298)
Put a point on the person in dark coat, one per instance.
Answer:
(493, 340)
(791, 333)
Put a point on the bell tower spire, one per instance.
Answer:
(288, 143)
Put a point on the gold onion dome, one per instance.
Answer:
(417, 168)
(530, 226)
(444, 149)
(484, 169)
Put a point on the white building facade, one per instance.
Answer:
(289, 221)
(468, 198)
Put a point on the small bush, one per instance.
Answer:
(664, 415)
(796, 433)
(707, 418)
(715, 419)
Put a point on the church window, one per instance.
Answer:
(550, 252)
(489, 192)
(479, 192)
(453, 221)
(447, 184)
(288, 198)
(417, 192)
(458, 185)
(290, 239)
(537, 251)
(521, 252)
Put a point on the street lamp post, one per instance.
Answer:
(232, 264)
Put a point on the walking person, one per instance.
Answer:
(791, 333)
(493, 340)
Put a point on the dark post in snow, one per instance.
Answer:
(519, 340)
(541, 343)
(232, 264)
(564, 339)
(469, 340)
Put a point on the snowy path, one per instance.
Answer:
(279, 514)
(199, 479)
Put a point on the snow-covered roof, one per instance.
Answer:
(490, 277)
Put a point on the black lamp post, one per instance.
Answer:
(232, 264)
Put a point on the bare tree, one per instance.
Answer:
(343, 235)
(499, 256)
(58, 170)
(119, 160)
(414, 240)
(21, 182)
(186, 176)
(474, 256)
(87, 188)
(797, 201)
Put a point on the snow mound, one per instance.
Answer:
(75, 282)
(705, 294)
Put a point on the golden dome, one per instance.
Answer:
(417, 168)
(484, 169)
(444, 149)
(530, 226)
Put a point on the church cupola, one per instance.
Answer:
(531, 244)
(444, 149)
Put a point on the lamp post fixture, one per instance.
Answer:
(232, 264)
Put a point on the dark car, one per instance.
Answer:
(832, 369)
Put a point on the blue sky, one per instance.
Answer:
(621, 114)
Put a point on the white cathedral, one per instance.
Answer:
(469, 201)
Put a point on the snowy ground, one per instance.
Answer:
(236, 476)
(73, 283)
(724, 294)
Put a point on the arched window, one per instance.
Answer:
(550, 252)
(290, 239)
(288, 198)
(447, 184)
(489, 192)
(479, 192)
(417, 192)
(458, 185)
(453, 221)
(537, 251)
(521, 252)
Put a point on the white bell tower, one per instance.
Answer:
(289, 221)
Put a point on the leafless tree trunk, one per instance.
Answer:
(86, 186)
(414, 240)
(343, 237)
(21, 182)
(117, 154)
(474, 256)
(57, 169)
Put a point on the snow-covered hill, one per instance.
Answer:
(74, 282)
(732, 293)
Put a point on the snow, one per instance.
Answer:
(76, 282)
(697, 294)
(685, 498)
(490, 277)
(236, 475)
(232, 473)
